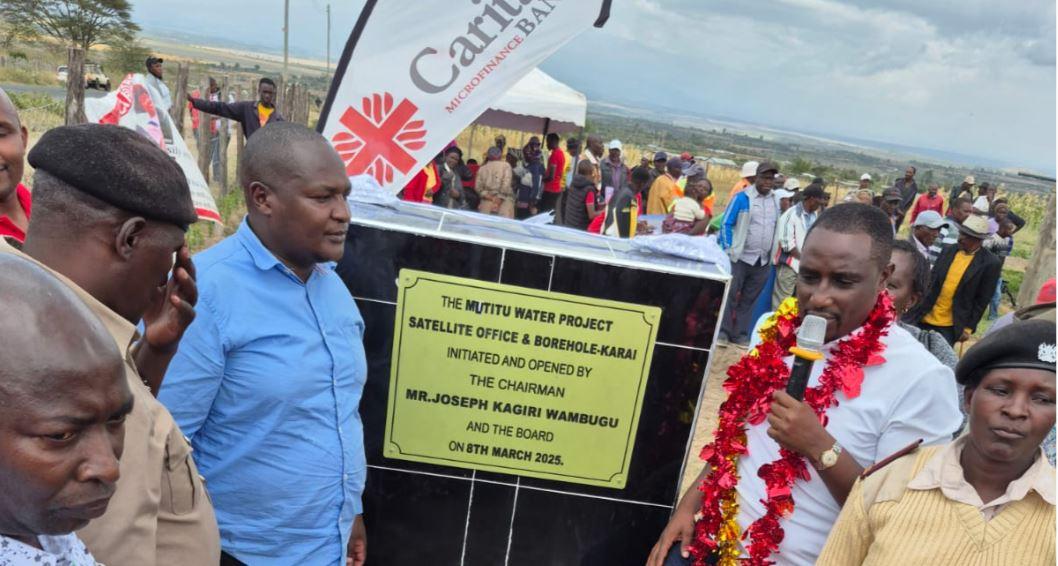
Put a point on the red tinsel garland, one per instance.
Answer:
(750, 385)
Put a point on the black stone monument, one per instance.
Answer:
(422, 514)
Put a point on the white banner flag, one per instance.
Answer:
(132, 105)
(414, 74)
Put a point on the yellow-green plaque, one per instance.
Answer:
(513, 380)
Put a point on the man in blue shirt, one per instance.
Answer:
(268, 378)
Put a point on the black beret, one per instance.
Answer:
(119, 167)
(1024, 344)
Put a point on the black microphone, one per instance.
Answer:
(808, 351)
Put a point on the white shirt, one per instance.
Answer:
(61, 550)
(792, 229)
(982, 204)
(910, 396)
(164, 101)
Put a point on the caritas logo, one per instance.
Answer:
(380, 137)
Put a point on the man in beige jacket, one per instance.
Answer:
(493, 184)
(109, 227)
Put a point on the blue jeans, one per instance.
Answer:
(993, 306)
(538, 171)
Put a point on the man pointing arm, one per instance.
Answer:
(251, 115)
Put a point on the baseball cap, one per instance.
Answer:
(661, 156)
(615, 144)
(152, 60)
(692, 169)
(975, 227)
(969, 180)
(930, 219)
(865, 177)
(767, 166)
(792, 184)
(892, 195)
(783, 193)
(749, 169)
(686, 156)
(814, 191)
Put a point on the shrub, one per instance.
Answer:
(37, 100)
(1013, 279)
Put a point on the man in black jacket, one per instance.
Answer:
(252, 115)
(964, 279)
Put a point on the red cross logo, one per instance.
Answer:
(380, 138)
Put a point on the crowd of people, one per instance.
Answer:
(591, 189)
(152, 399)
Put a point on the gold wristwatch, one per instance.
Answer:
(829, 458)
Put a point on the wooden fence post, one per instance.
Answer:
(470, 144)
(222, 131)
(176, 111)
(240, 139)
(289, 98)
(204, 146)
(75, 86)
(280, 87)
(301, 108)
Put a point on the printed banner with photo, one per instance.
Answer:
(412, 76)
(132, 105)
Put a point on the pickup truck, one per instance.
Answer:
(94, 77)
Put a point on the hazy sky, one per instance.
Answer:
(969, 76)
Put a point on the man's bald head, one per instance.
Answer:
(283, 150)
(13, 138)
(46, 330)
(7, 108)
(63, 399)
(595, 144)
(295, 186)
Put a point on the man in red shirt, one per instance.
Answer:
(556, 169)
(14, 198)
(929, 201)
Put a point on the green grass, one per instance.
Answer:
(27, 77)
(30, 101)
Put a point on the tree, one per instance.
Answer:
(125, 56)
(81, 23)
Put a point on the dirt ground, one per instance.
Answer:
(723, 357)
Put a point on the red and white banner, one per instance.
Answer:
(414, 74)
(132, 105)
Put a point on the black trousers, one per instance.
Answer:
(547, 202)
(747, 282)
(950, 333)
(229, 560)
